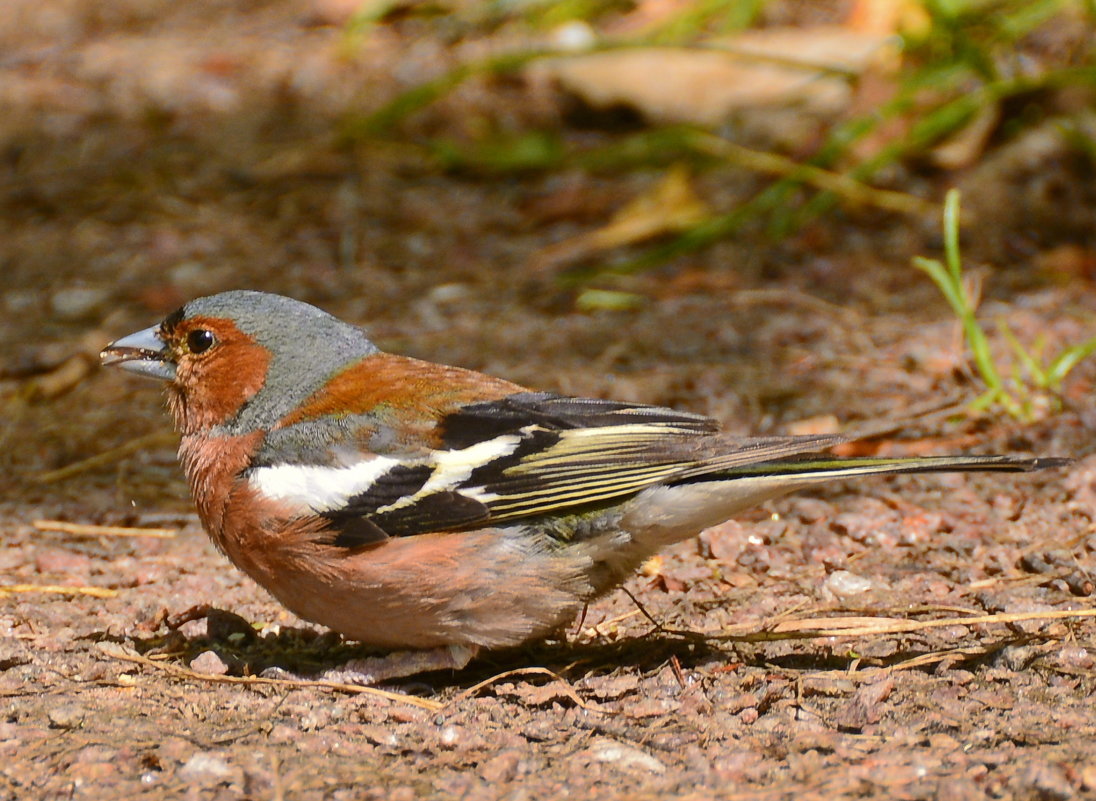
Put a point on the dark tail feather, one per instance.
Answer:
(837, 467)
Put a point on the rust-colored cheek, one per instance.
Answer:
(211, 390)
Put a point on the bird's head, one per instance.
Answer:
(239, 360)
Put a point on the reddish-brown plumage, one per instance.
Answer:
(400, 385)
(212, 466)
(482, 588)
(218, 382)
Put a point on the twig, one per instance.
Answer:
(116, 651)
(838, 183)
(89, 530)
(862, 626)
(599, 629)
(107, 457)
(679, 674)
(58, 589)
(568, 690)
(643, 610)
(939, 656)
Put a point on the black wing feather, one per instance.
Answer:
(399, 482)
(437, 511)
(570, 453)
(478, 422)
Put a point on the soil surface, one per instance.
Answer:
(158, 151)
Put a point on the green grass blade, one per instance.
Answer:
(951, 236)
(1065, 361)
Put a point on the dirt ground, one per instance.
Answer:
(157, 151)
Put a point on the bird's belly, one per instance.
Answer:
(489, 588)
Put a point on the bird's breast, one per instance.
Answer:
(213, 467)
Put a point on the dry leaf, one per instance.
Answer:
(769, 67)
(671, 206)
(964, 147)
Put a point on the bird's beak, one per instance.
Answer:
(142, 353)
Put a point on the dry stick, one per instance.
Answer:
(89, 530)
(872, 672)
(934, 657)
(107, 457)
(1012, 581)
(642, 610)
(276, 778)
(117, 652)
(861, 626)
(59, 589)
(839, 184)
(679, 674)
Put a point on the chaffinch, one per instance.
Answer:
(413, 505)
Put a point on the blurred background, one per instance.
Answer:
(710, 204)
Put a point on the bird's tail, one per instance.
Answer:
(830, 468)
(680, 509)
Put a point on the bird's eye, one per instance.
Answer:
(200, 340)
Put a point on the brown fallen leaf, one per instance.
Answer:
(965, 146)
(772, 67)
(670, 206)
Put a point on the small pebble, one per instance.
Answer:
(625, 756)
(1016, 657)
(68, 716)
(450, 736)
(205, 765)
(843, 584)
(209, 663)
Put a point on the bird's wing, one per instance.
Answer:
(520, 456)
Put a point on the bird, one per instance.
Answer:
(429, 509)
